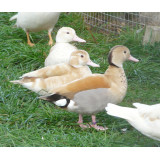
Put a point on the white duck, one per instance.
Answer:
(43, 80)
(145, 118)
(35, 22)
(61, 51)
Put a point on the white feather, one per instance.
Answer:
(144, 118)
(61, 102)
(36, 21)
(13, 17)
(61, 51)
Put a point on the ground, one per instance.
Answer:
(27, 121)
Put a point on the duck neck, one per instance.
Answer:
(118, 79)
(114, 70)
(112, 64)
(117, 74)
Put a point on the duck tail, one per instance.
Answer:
(24, 80)
(16, 82)
(121, 112)
(13, 17)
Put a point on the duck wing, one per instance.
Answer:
(151, 112)
(87, 95)
(49, 71)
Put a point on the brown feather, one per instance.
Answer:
(87, 83)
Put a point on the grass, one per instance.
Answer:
(27, 121)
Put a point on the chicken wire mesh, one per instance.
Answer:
(115, 22)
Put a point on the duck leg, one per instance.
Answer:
(94, 124)
(80, 122)
(28, 40)
(50, 38)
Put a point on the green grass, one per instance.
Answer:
(27, 121)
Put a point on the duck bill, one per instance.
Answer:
(78, 39)
(90, 63)
(131, 58)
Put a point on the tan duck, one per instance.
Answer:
(42, 81)
(91, 94)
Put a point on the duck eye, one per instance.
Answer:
(67, 32)
(82, 56)
(125, 52)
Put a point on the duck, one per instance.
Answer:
(35, 22)
(144, 118)
(61, 51)
(90, 95)
(43, 80)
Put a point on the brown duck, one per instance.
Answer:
(91, 94)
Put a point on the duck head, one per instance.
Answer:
(81, 58)
(119, 54)
(67, 34)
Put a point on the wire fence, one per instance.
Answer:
(115, 22)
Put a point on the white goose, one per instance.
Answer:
(36, 21)
(61, 51)
(145, 118)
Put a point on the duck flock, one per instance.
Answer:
(67, 81)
